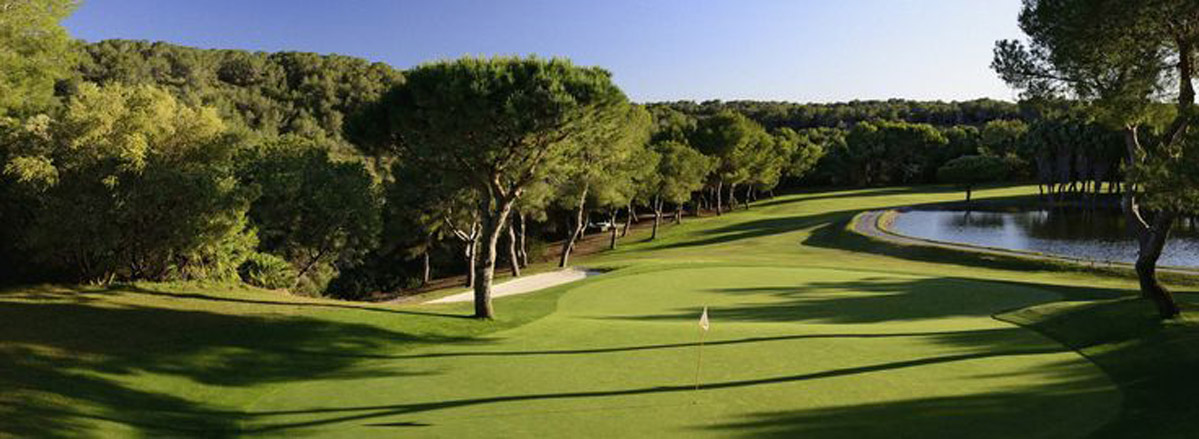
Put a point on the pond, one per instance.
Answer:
(1098, 234)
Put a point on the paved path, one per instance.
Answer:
(525, 284)
(869, 224)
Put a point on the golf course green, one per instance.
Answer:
(816, 332)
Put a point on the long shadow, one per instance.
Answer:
(196, 296)
(756, 229)
(747, 340)
(61, 364)
(992, 415)
(361, 413)
(882, 299)
(842, 193)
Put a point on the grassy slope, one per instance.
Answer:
(815, 332)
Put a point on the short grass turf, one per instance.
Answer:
(815, 333)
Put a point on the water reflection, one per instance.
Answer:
(1100, 234)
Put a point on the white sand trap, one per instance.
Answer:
(525, 284)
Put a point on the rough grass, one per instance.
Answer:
(816, 333)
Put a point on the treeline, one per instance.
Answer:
(1058, 144)
(323, 174)
(798, 116)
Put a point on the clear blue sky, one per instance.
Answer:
(793, 50)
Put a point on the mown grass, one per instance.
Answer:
(816, 333)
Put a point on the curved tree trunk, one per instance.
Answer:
(493, 226)
(732, 196)
(749, 191)
(1151, 239)
(576, 232)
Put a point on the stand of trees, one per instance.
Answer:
(1119, 58)
(324, 174)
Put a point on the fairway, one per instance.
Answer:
(816, 333)
(791, 351)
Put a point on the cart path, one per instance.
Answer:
(524, 284)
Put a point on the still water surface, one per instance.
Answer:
(1099, 235)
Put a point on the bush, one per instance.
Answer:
(267, 271)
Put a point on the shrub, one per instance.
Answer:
(267, 271)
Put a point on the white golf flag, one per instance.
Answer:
(703, 319)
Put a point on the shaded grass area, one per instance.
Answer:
(1153, 362)
(627, 368)
(172, 360)
(818, 332)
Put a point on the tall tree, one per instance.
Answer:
(132, 184)
(1120, 56)
(731, 139)
(681, 171)
(501, 122)
(971, 170)
(601, 171)
(312, 211)
(35, 52)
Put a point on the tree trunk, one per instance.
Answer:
(629, 219)
(732, 197)
(469, 253)
(968, 193)
(577, 232)
(426, 269)
(657, 217)
(678, 213)
(1151, 239)
(494, 223)
(612, 228)
(719, 202)
(748, 195)
(513, 259)
(522, 246)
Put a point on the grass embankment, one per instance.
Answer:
(816, 333)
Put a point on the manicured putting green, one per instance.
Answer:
(793, 352)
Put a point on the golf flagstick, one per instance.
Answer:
(699, 356)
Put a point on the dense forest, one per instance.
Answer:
(331, 175)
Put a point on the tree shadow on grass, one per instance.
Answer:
(67, 366)
(754, 229)
(86, 295)
(262, 421)
(842, 193)
(882, 299)
(1033, 412)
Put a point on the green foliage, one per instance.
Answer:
(887, 153)
(971, 170)
(312, 211)
(1003, 137)
(681, 171)
(267, 271)
(734, 141)
(129, 183)
(774, 115)
(35, 52)
(270, 93)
